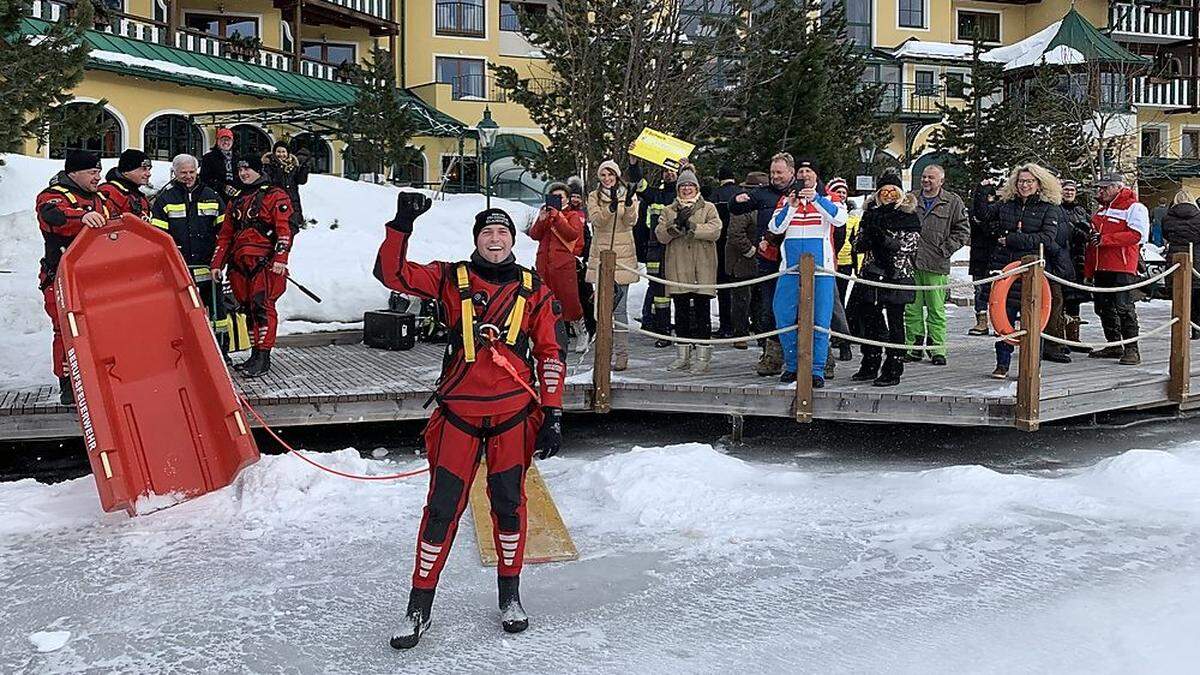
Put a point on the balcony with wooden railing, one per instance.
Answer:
(1149, 22)
(199, 42)
(456, 18)
(1151, 92)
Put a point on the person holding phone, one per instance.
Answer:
(806, 220)
(559, 233)
(612, 211)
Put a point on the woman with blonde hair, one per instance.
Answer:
(1181, 230)
(612, 211)
(1024, 221)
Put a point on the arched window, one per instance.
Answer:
(317, 148)
(168, 135)
(249, 140)
(104, 136)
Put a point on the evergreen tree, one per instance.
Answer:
(38, 75)
(811, 101)
(979, 139)
(378, 126)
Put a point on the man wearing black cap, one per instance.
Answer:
(500, 393)
(71, 203)
(254, 242)
(123, 185)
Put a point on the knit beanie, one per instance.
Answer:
(251, 161)
(837, 183)
(892, 179)
(575, 186)
(725, 173)
(685, 177)
(80, 160)
(131, 159)
(611, 166)
(493, 217)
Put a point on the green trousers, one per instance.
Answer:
(926, 316)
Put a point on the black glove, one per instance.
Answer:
(613, 195)
(409, 205)
(1094, 238)
(683, 219)
(549, 438)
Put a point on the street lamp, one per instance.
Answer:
(487, 129)
(866, 152)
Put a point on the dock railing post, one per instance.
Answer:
(1179, 387)
(602, 367)
(804, 339)
(1029, 378)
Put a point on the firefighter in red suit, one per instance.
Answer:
(71, 203)
(123, 184)
(499, 394)
(559, 233)
(254, 242)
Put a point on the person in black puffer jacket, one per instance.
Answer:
(1078, 222)
(285, 170)
(887, 238)
(1181, 230)
(1024, 221)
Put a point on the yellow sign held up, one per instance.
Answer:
(662, 149)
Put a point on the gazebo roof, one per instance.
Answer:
(1069, 41)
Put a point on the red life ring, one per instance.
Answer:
(997, 310)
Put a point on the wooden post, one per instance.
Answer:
(1029, 379)
(804, 340)
(602, 367)
(172, 22)
(297, 20)
(1179, 387)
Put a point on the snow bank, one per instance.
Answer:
(334, 256)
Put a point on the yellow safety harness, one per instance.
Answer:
(516, 316)
(66, 192)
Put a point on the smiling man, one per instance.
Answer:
(499, 396)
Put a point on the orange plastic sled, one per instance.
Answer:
(161, 421)
(997, 310)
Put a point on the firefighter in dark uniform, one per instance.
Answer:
(499, 396)
(656, 307)
(192, 213)
(254, 242)
(123, 185)
(71, 203)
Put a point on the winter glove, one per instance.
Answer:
(409, 205)
(683, 219)
(613, 195)
(549, 438)
(1094, 238)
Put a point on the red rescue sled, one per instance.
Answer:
(161, 421)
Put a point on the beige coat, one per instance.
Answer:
(691, 255)
(612, 231)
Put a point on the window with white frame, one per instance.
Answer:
(912, 13)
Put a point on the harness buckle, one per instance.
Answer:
(489, 331)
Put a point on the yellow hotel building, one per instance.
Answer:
(173, 71)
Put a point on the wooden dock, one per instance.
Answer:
(345, 383)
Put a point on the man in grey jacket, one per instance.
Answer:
(945, 228)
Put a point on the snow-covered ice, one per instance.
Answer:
(693, 560)
(49, 641)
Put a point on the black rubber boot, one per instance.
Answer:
(66, 394)
(512, 615)
(788, 377)
(249, 363)
(262, 367)
(869, 370)
(889, 376)
(416, 619)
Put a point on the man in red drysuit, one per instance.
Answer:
(500, 393)
(71, 203)
(123, 185)
(254, 242)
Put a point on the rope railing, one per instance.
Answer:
(703, 341)
(823, 271)
(1114, 289)
(1115, 343)
(714, 286)
(962, 283)
(893, 345)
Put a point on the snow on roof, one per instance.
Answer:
(917, 49)
(168, 67)
(1027, 52)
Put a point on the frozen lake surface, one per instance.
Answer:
(840, 549)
